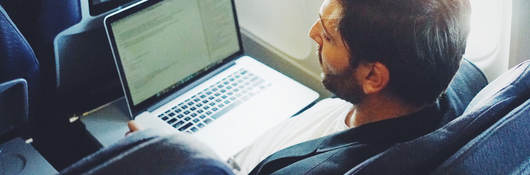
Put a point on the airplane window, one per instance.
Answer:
(486, 28)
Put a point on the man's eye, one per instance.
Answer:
(326, 37)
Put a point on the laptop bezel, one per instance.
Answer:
(134, 110)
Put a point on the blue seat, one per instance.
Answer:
(17, 59)
(502, 149)
(468, 81)
(13, 106)
(40, 21)
(152, 152)
(16, 156)
(423, 155)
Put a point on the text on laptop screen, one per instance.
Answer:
(168, 43)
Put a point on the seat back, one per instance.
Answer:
(13, 106)
(17, 59)
(422, 155)
(502, 149)
(467, 82)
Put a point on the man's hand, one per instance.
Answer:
(133, 127)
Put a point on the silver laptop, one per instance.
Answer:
(182, 68)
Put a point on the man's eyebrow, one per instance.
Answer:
(323, 26)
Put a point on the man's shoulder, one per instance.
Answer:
(310, 158)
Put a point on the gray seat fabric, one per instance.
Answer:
(502, 149)
(152, 152)
(422, 155)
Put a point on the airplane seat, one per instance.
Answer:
(17, 59)
(17, 156)
(502, 149)
(467, 82)
(424, 154)
(40, 22)
(79, 50)
(175, 153)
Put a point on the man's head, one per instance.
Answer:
(409, 49)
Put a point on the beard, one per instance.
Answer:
(343, 85)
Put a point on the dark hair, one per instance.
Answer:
(420, 41)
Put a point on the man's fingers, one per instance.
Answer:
(133, 126)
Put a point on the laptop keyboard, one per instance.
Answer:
(208, 105)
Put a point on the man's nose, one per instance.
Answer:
(314, 34)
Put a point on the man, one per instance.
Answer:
(389, 60)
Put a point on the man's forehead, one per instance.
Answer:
(330, 9)
(330, 13)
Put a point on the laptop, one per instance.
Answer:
(182, 68)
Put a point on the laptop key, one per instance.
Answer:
(200, 125)
(202, 116)
(171, 114)
(176, 125)
(180, 116)
(187, 118)
(193, 114)
(186, 112)
(165, 118)
(194, 129)
(185, 127)
(173, 120)
(207, 121)
(196, 120)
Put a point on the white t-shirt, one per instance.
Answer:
(326, 117)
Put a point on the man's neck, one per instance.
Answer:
(378, 108)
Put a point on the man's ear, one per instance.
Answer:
(374, 77)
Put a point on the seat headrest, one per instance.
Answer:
(514, 82)
(502, 149)
(422, 155)
(466, 83)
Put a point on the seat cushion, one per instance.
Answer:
(502, 149)
(422, 155)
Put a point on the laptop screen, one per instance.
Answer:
(164, 45)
